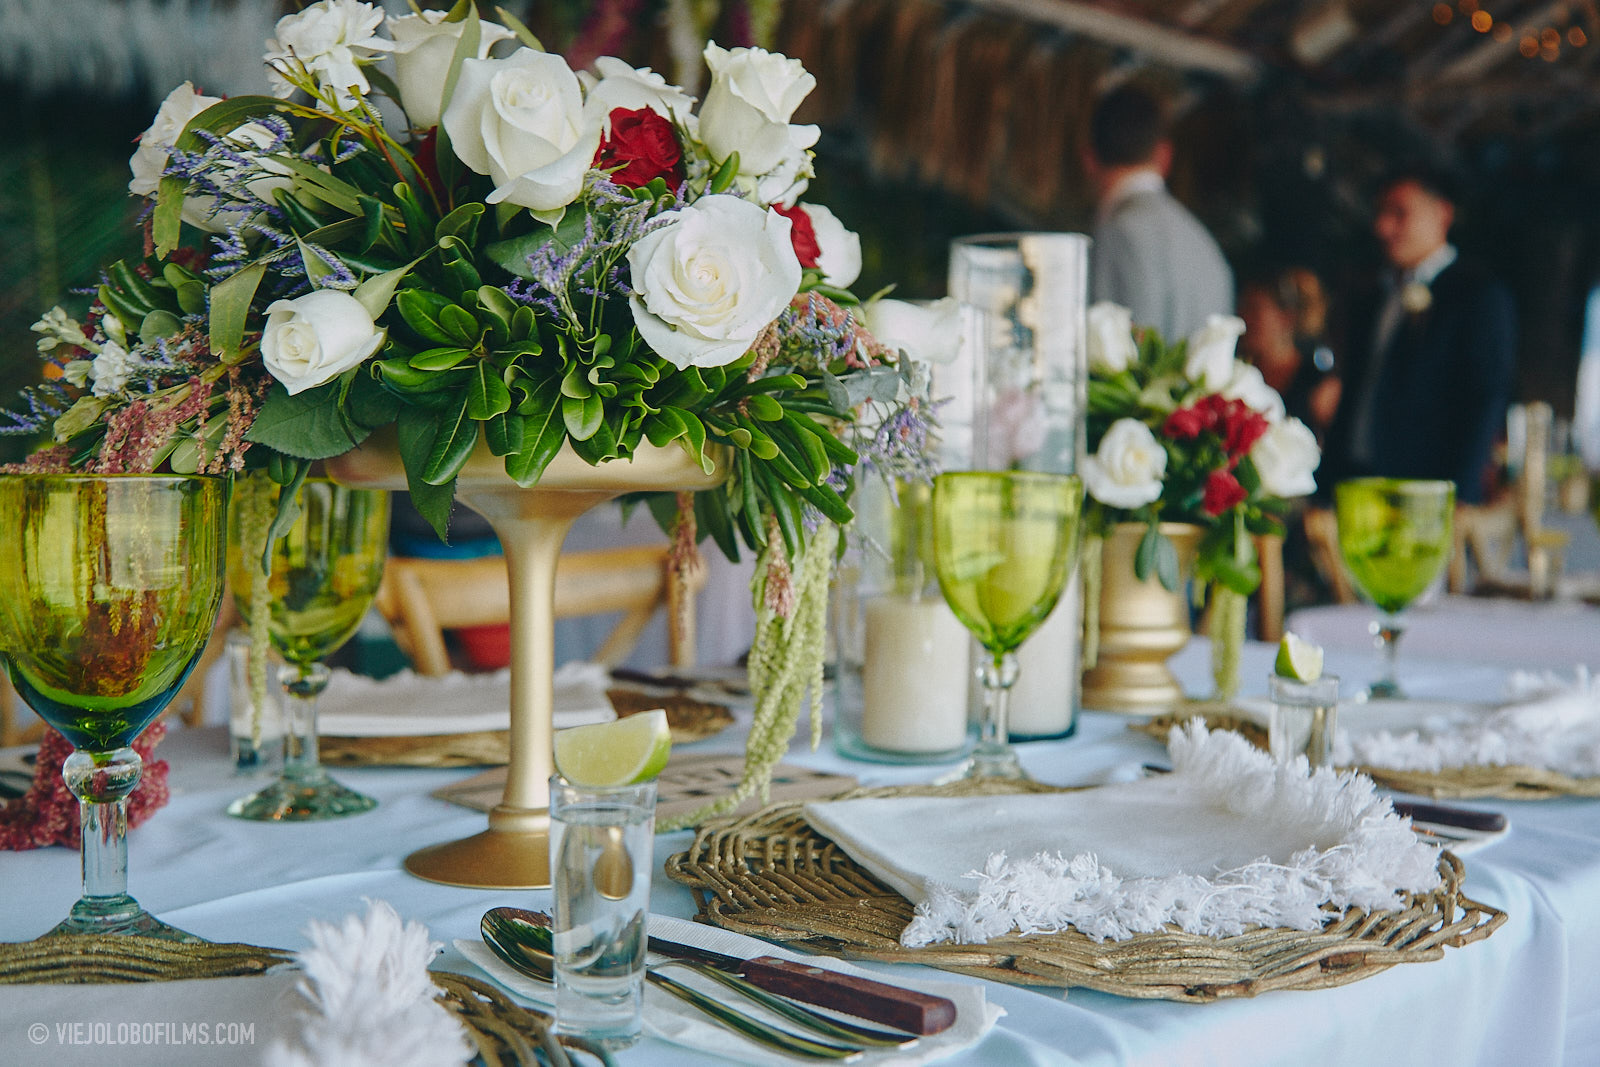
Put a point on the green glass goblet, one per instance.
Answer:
(1395, 536)
(109, 587)
(325, 572)
(1004, 543)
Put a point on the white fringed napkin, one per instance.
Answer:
(1551, 723)
(412, 705)
(1227, 841)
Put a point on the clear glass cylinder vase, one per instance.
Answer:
(1024, 351)
(901, 658)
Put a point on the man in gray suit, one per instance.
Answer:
(1150, 254)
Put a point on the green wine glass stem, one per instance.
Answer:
(993, 757)
(1386, 633)
(102, 783)
(303, 686)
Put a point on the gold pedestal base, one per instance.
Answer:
(495, 859)
(1131, 686)
(1142, 625)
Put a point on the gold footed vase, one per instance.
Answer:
(1142, 624)
(514, 852)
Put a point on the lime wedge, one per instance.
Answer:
(1297, 659)
(624, 752)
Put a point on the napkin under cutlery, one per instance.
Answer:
(671, 1020)
(1227, 841)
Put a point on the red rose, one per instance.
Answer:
(1242, 427)
(1184, 424)
(642, 147)
(1223, 491)
(801, 234)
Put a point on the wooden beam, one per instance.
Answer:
(1171, 47)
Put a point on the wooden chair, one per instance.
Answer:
(421, 598)
(12, 732)
(1269, 598)
(1322, 537)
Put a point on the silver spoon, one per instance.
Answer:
(523, 939)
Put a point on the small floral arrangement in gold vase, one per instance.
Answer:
(1191, 454)
(435, 225)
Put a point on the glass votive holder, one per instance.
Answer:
(1304, 716)
(256, 746)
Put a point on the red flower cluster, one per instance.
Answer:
(642, 147)
(47, 814)
(802, 235)
(1239, 425)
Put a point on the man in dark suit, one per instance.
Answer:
(1430, 352)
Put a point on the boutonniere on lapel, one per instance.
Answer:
(1416, 298)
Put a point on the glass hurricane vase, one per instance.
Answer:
(109, 587)
(324, 573)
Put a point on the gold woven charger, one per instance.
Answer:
(690, 720)
(504, 1032)
(771, 876)
(1453, 783)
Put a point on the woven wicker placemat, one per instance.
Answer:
(1456, 783)
(505, 1033)
(771, 876)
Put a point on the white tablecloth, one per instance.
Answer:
(1554, 635)
(1528, 995)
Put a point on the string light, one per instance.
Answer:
(1443, 13)
(1502, 32)
(1529, 47)
(1576, 37)
(1482, 21)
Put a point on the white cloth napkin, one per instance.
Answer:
(670, 1019)
(1551, 723)
(412, 705)
(1227, 841)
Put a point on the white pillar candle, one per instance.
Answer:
(1048, 663)
(914, 678)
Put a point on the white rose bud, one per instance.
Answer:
(111, 369)
(622, 86)
(312, 339)
(1210, 359)
(520, 120)
(1127, 470)
(424, 45)
(1111, 346)
(1285, 457)
(1248, 385)
(753, 95)
(838, 249)
(928, 332)
(330, 38)
(707, 283)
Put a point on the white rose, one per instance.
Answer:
(1127, 470)
(520, 120)
(622, 86)
(838, 249)
(1285, 457)
(1248, 385)
(708, 282)
(111, 369)
(249, 140)
(929, 332)
(1210, 358)
(787, 182)
(155, 143)
(314, 338)
(753, 94)
(424, 45)
(1111, 345)
(330, 38)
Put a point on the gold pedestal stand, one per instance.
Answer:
(514, 852)
(1142, 625)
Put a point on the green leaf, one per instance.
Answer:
(316, 267)
(487, 395)
(420, 309)
(416, 430)
(457, 437)
(582, 415)
(763, 408)
(711, 515)
(167, 221)
(1144, 557)
(368, 403)
(436, 359)
(505, 433)
(305, 426)
(322, 185)
(575, 384)
(383, 83)
(461, 223)
(1167, 563)
(600, 446)
(230, 308)
(458, 322)
(725, 175)
(159, 324)
(288, 509)
(376, 292)
(512, 23)
(543, 433)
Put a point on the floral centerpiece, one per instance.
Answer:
(1185, 432)
(437, 225)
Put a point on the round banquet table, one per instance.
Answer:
(1530, 994)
